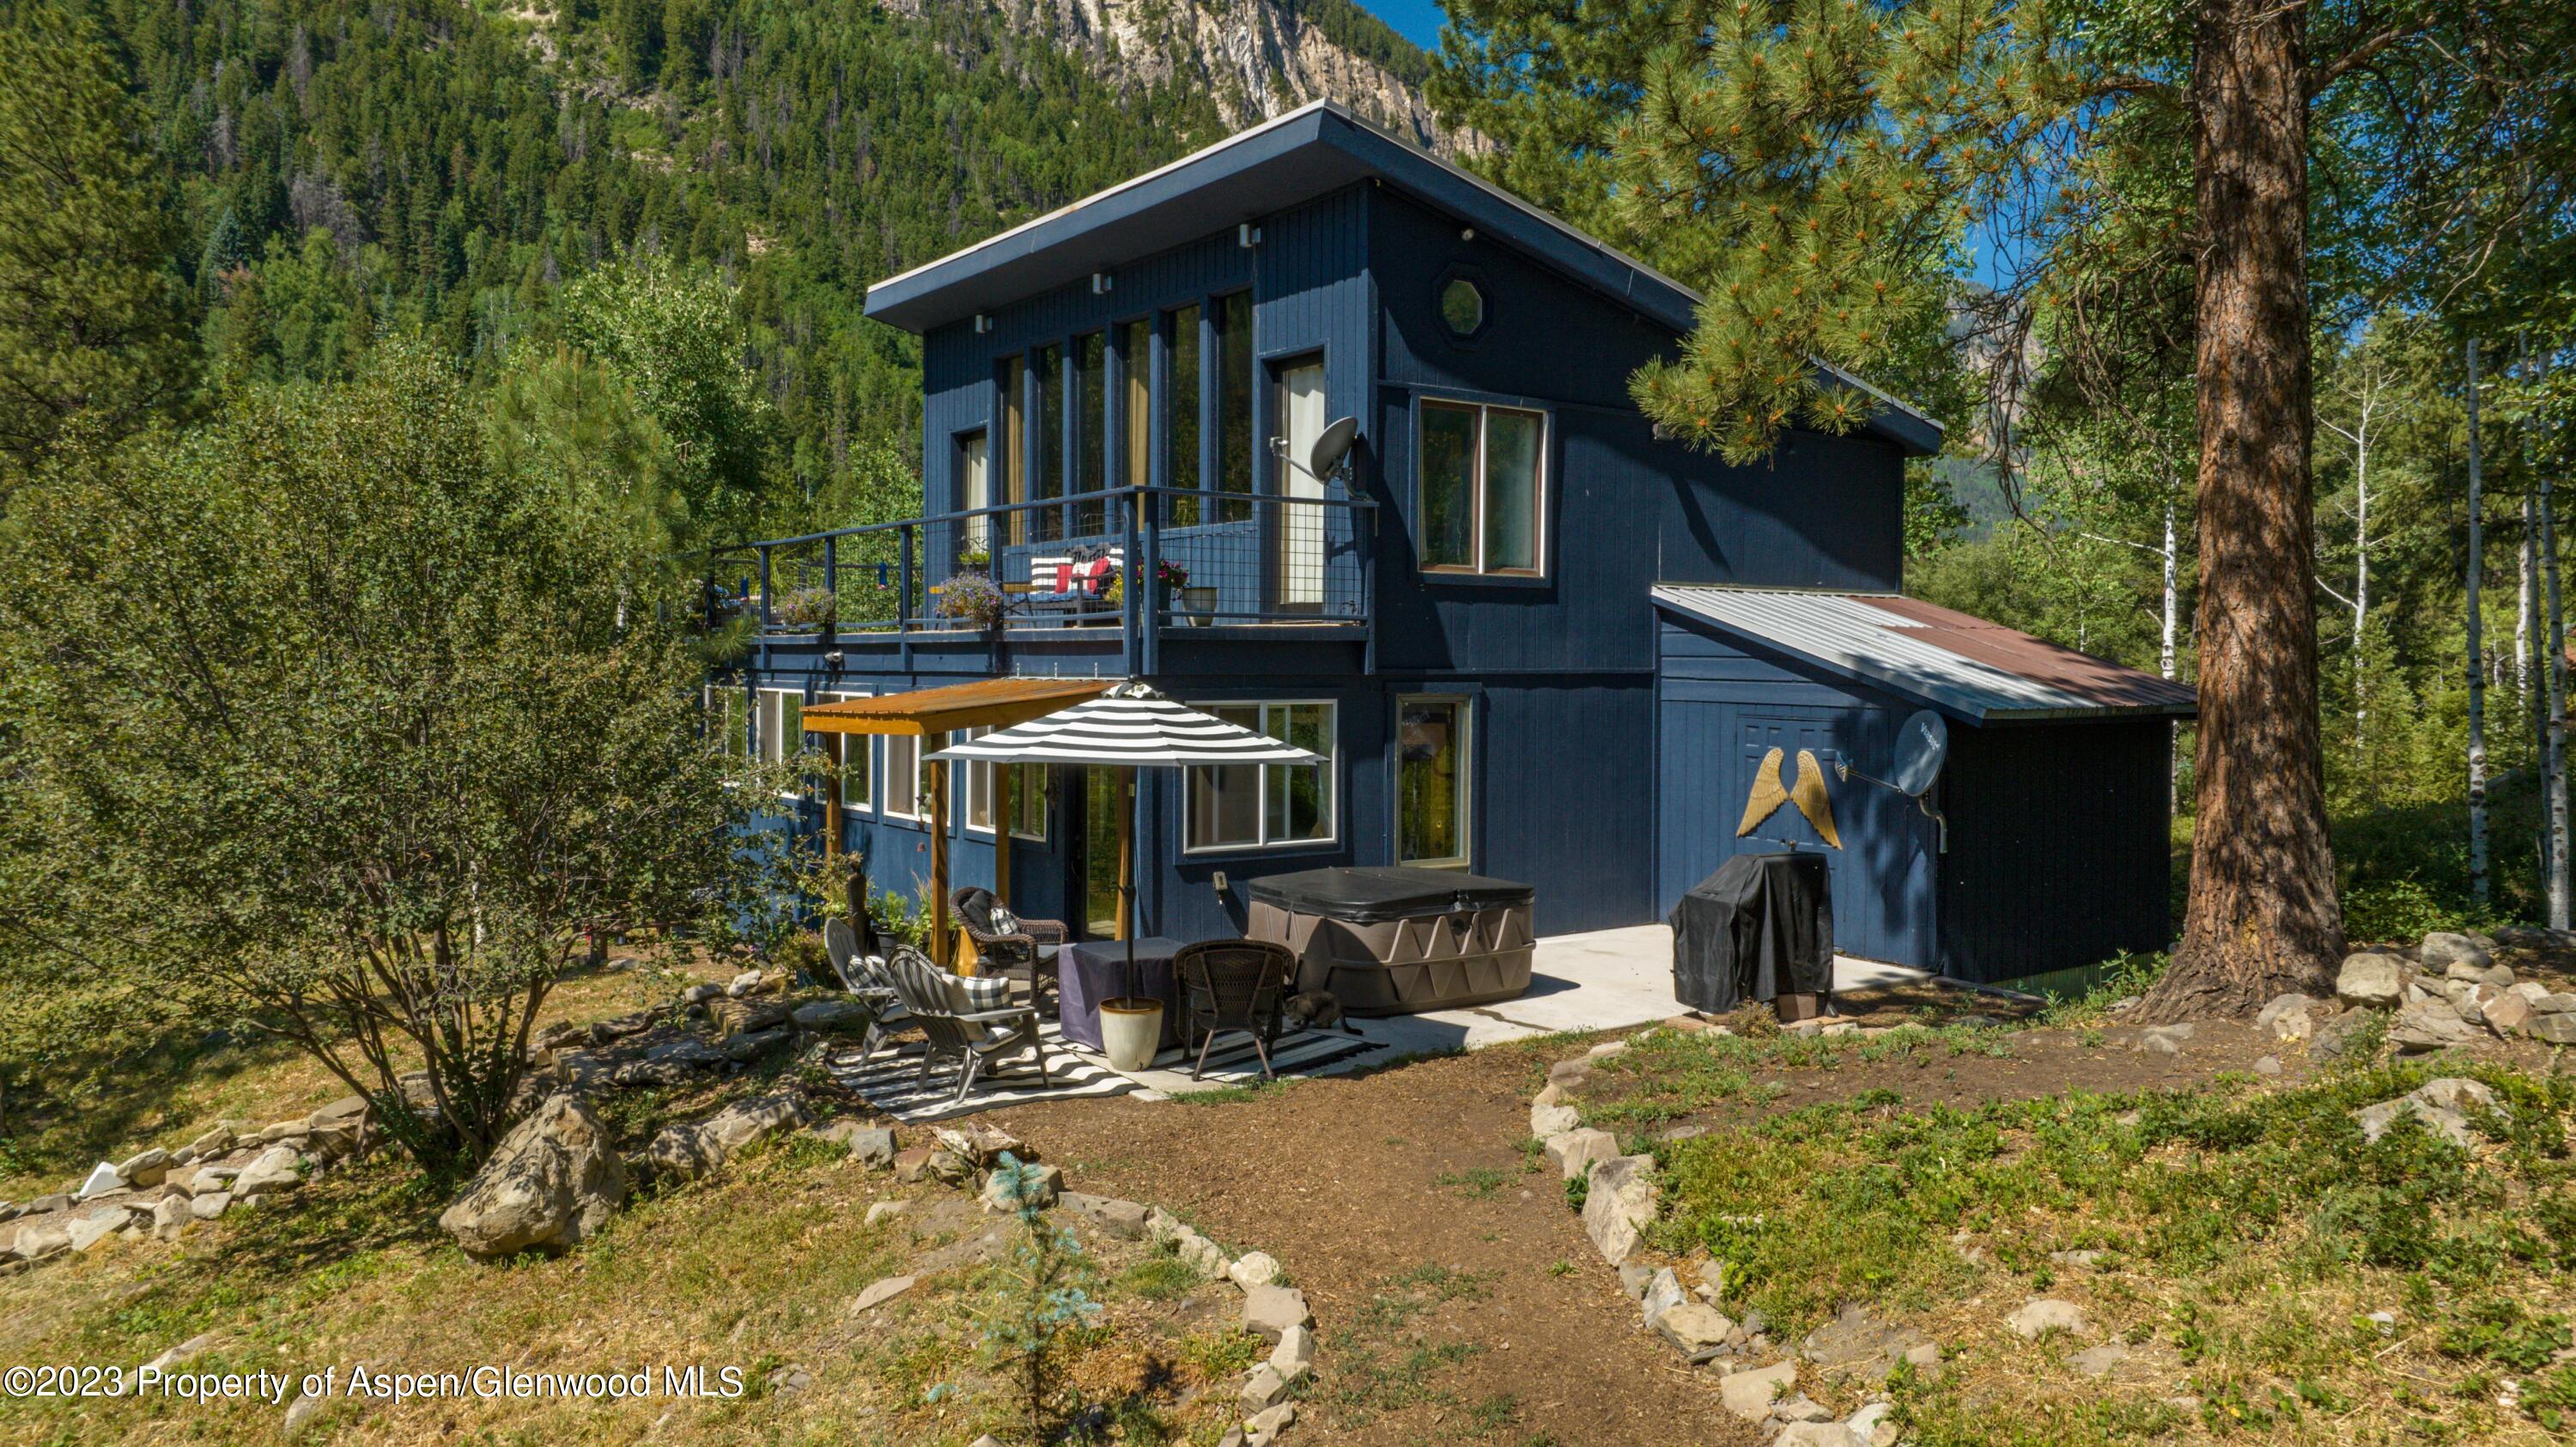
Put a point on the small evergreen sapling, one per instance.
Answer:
(1044, 1294)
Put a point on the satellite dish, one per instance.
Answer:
(1333, 446)
(1921, 746)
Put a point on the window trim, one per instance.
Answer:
(1474, 277)
(1544, 540)
(766, 713)
(1332, 770)
(867, 746)
(1018, 795)
(964, 785)
(911, 794)
(1465, 859)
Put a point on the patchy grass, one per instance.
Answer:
(1477, 1184)
(2245, 1239)
(132, 1092)
(1669, 1074)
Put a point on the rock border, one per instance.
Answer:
(965, 1155)
(1621, 1201)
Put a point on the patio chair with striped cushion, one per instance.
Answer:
(968, 1020)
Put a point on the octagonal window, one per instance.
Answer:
(1462, 307)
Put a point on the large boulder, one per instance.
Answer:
(696, 1148)
(2373, 980)
(2290, 1017)
(555, 1180)
(2443, 1105)
(2459, 956)
(1574, 1151)
(275, 1170)
(2429, 1025)
(1618, 1204)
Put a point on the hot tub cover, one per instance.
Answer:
(1371, 895)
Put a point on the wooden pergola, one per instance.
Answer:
(923, 714)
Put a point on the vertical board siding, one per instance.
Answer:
(2060, 852)
(1624, 510)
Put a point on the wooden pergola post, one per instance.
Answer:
(942, 948)
(1002, 832)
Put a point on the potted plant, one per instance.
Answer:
(806, 608)
(973, 598)
(1131, 1032)
(975, 558)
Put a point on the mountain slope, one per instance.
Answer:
(1253, 58)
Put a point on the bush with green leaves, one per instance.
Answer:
(319, 721)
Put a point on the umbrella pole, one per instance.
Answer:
(1127, 870)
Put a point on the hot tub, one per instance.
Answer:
(1392, 941)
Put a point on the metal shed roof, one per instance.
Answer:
(1312, 151)
(1982, 672)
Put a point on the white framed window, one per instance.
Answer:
(1433, 786)
(728, 723)
(858, 762)
(1481, 476)
(1268, 806)
(979, 790)
(1030, 784)
(905, 798)
(782, 728)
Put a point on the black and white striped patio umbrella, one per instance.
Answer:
(1131, 725)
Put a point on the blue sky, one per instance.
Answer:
(1415, 20)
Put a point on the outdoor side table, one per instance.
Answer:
(1096, 970)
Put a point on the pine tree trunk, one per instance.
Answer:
(2476, 628)
(2262, 918)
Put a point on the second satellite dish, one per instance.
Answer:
(1332, 446)
(1921, 746)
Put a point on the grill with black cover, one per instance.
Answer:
(1761, 927)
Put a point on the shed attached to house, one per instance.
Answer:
(2055, 798)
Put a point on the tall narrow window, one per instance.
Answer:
(782, 727)
(979, 790)
(1091, 427)
(1013, 385)
(858, 765)
(1136, 355)
(1234, 403)
(1431, 781)
(1181, 414)
(1448, 525)
(727, 722)
(902, 777)
(1050, 424)
(975, 491)
(1029, 784)
(1482, 476)
(1250, 806)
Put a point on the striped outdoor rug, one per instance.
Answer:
(891, 1080)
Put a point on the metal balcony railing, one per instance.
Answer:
(1139, 559)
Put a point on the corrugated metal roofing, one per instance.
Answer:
(1982, 671)
(1311, 151)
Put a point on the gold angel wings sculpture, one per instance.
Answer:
(1808, 793)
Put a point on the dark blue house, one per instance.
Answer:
(1534, 639)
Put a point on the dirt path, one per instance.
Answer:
(1375, 1193)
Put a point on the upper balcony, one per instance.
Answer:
(1117, 569)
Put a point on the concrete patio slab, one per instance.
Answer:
(1602, 980)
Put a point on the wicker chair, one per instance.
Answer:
(973, 1038)
(865, 977)
(1235, 985)
(1026, 954)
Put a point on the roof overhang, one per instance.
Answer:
(985, 703)
(1310, 152)
(1970, 669)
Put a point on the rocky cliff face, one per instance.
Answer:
(1256, 58)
